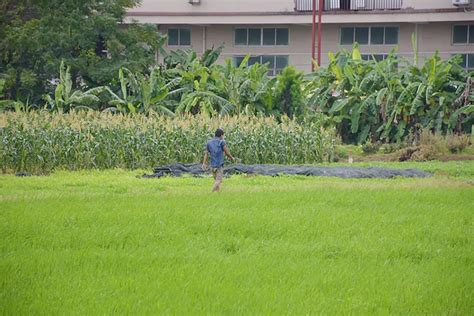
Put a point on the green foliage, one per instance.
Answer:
(141, 94)
(367, 101)
(205, 87)
(370, 148)
(248, 88)
(41, 141)
(371, 100)
(65, 98)
(184, 59)
(200, 93)
(197, 82)
(289, 97)
(35, 36)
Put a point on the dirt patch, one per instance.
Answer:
(418, 153)
(456, 158)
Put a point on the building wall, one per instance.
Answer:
(197, 43)
(232, 12)
(427, 4)
(257, 6)
(216, 6)
(431, 37)
(271, 19)
(438, 36)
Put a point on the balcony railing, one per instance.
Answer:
(349, 5)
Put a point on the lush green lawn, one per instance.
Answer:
(105, 242)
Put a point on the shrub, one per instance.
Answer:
(419, 153)
(425, 153)
(342, 153)
(391, 148)
(431, 146)
(370, 148)
(457, 143)
(428, 138)
(445, 144)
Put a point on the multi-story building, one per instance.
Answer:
(279, 31)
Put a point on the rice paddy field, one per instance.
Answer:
(109, 242)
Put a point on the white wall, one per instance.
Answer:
(216, 6)
(432, 37)
(428, 4)
(257, 5)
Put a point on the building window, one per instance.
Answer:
(467, 61)
(463, 34)
(240, 37)
(378, 35)
(179, 37)
(255, 37)
(362, 35)
(261, 36)
(282, 36)
(384, 35)
(275, 63)
(347, 35)
(391, 35)
(268, 36)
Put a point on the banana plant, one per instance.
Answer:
(211, 55)
(65, 98)
(199, 92)
(247, 87)
(388, 99)
(347, 91)
(257, 91)
(436, 86)
(139, 93)
(184, 59)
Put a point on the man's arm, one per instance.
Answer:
(227, 153)
(204, 163)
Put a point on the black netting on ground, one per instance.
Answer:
(195, 169)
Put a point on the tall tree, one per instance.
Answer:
(289, 97)
(35, 35)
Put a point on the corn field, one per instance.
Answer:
(42, 141)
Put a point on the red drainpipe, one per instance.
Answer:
(320, 26)
(313, 37)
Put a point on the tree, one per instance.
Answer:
(36, 35)
(289, 96)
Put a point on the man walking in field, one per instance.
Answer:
(216, 148)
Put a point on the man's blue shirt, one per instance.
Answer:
(215, 147)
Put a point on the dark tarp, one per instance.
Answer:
(178, 169)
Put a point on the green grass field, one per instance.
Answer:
(109, 242)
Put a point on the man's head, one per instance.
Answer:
(219, 133)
